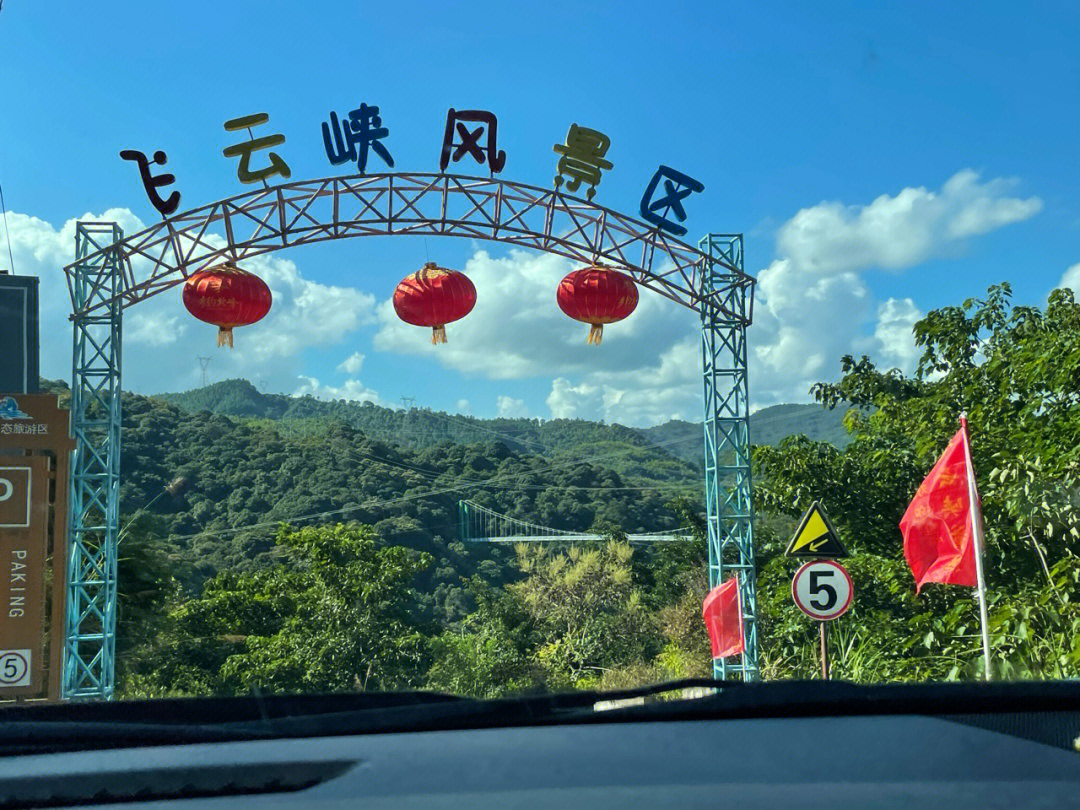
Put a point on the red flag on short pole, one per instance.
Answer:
(937, 525)
(722, 611)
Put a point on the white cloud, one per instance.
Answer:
(153, 328)
(900, 231)
(464, 407)
(814, 305)
(510, 408)
(666, 387)
(1071, 279)
(352, 364)
(568, 401)
(42, 250)
(162, 339)
(802, 326)
(518, 331)
(305, 313)
(895, 319)
(352, 390)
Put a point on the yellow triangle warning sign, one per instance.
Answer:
(815, 536)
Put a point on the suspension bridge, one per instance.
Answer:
(478, 524)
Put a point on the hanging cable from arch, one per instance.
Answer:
(3, 209)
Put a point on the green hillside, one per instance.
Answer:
(632, 454)
(769, 426)
(419, 428)
(238, 479)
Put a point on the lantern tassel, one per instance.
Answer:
(596, 334)
(438, 334)
(224, 336)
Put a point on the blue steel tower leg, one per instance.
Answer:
(728, 496)
(90, 638)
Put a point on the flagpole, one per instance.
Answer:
(978, 540)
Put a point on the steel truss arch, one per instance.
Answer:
(293, 214)
(112, 272)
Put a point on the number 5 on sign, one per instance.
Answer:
(822, 590)
(14, 668)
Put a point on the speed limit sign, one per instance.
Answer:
(822, 590)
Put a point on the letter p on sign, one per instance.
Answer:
(15, 484)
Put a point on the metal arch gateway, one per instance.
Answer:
(293, 214)
(111, 272)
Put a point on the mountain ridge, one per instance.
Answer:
(425, 427)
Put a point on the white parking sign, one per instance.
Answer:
(822, 590)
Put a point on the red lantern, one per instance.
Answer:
(227, 296)
(597, 295)
(434, 296)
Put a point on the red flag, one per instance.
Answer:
(722, 611)
(938, 537)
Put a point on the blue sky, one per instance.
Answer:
(881, 161)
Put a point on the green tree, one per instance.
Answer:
(334, 614)
(588, 612)
(1016, 372)
(490, 654)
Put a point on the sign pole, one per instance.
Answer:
(822, 590)
(824, 627)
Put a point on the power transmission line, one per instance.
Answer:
(507, 436)
(7, 233)
(203, 363)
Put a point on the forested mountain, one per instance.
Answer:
(423, 427)
(212, 490)
(204, 497)
(768, 426)
(369, 586)
(414, 427)
(237, 463)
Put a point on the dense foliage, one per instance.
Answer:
(230, 483)
(339, 611)
(333, 614)
(376, 592)
(1016, 372)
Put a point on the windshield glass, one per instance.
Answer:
(531, 350)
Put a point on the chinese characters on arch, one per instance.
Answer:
(469, 136)
(167, 206)
(582, 159)
(245, 149)
(349, 140)
(462, 139)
